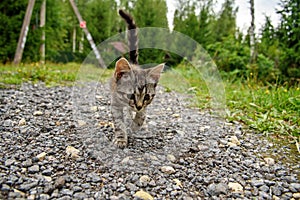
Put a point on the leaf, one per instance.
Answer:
(254, 105)
(265, 116)
(298, 147)
(295, 101)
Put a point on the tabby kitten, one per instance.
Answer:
(132, 88)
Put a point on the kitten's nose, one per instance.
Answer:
(139, 107)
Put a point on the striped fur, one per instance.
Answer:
(132, 90)
(132, 36)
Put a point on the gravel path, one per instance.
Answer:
(56, 145)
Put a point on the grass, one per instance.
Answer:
(51, 74)
(270, 109)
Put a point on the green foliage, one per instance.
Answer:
(58, 27)
(281, 44)
(230, 54)
(289, 37)
(277, 48)
(102, 20)
(268, 109)
(13, 12)
(185, 20)
(50, 74)
(150, 13)
(206, 31)
(271, 109)
(225, 25)
(197, 26)
(11, 15)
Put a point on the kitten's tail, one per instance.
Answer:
(132, 36)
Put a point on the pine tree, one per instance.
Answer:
(226, 22)
(150, 13)
(101, 17)
(11, 15)
(269, 44)
(289, 37)
(196, 25)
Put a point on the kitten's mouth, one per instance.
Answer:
(139, 108)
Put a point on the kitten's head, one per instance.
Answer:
(136, 86)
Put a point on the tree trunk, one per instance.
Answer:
(88, 35)
(74, 40)
(252, 33)
(42, 25)
(23, 34)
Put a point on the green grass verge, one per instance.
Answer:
(51, 74)
(270, 109)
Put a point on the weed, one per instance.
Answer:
(268, 108)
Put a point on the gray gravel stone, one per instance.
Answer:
(5, 188)
(264, 195)
(295, 187)
(77, 189)
(276, 190)
(217, 189)
(131, 187)
(86, 185)
(80, 195)
(270, 183)
(27, 163)
(47, 172)
(264, 188)
(14, 195)
(44, 197)
(9, 162)
(33, 169)
(67, 192)
(8, 123)
(257, 183)
(27, 186)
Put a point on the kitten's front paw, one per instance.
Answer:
(121, 138)
(120, 143)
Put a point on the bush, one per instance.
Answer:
(230, 54)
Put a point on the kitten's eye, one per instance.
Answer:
(147, 97)
(130, 96)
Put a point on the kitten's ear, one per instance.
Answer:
(154, 73)
(122, 66)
